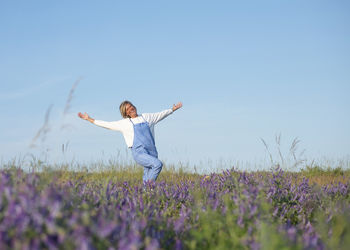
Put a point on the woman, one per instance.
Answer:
(138, 132)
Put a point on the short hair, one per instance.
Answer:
(122, 108)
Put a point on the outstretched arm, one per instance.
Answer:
(86, 117)
(115, 125)
(154, 118)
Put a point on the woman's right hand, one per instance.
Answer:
(86, 117)
(83, 116)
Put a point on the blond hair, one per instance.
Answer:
(122, 108)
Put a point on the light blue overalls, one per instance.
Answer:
(144, 151)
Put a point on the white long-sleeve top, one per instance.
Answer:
(126, 127)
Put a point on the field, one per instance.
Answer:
(58, 208)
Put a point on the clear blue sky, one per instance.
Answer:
(244, 70)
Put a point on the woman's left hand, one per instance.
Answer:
(177, 106)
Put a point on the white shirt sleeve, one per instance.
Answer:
(154, 118)
(115, 125)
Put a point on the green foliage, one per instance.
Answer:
(270, 238)
(334, 226)
(215, 231)
(312, 171)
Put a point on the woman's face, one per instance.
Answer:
(131, 111)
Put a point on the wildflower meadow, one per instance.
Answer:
(112, 209)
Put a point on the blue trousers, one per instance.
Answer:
(149, 160)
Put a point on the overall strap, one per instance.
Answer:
(142, 118)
